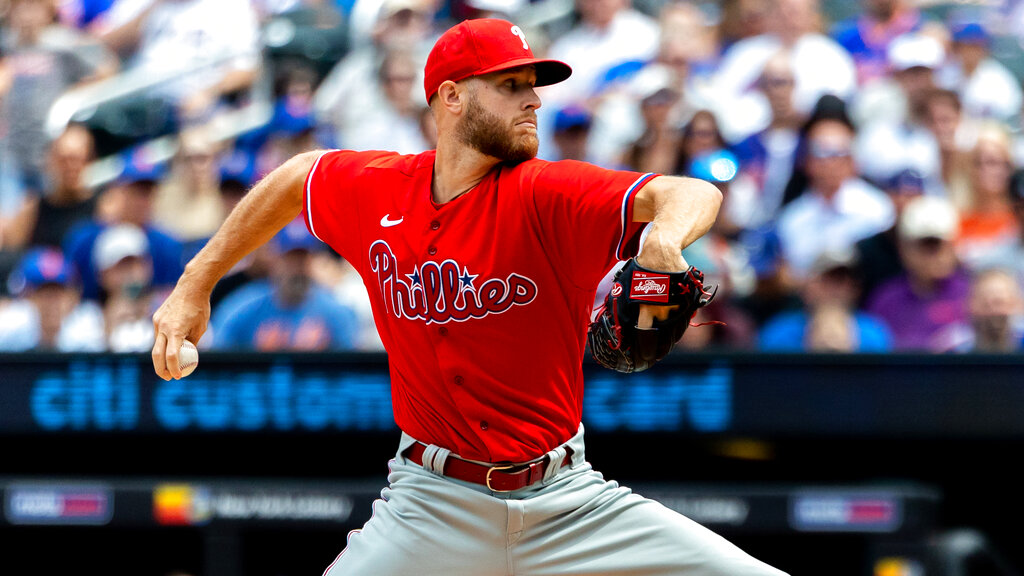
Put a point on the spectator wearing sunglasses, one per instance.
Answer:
(766, 158)
(834, 207)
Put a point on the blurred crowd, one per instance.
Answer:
(870, 153)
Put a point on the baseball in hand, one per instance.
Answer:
(188, 358)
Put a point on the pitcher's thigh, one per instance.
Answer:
(409, 536)
(629, 534)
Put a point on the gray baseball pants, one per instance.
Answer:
(573, 522)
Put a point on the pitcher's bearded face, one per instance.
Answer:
(495, 135)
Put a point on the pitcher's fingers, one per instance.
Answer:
(173, 347)
(663, 312)
(648, 314)
(159, 360)
(645, 317)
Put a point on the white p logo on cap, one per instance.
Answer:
(517, 31)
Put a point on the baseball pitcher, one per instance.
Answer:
(482, 263)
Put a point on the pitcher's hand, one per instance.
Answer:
(663, 257)
(183, 315)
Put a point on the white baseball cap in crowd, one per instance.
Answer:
(651, 81)
(929, 216)
(118, 242)
(915, 50)
(389, 8)
(835, 258)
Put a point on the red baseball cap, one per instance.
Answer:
(481, 46)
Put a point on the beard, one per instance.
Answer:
(488, 134)
(293, 289)
(883, 10)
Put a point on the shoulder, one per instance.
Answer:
(869, 198)
(632, 20)
(373, 160)
(806, 205)
(861, 186)
(83, 329)
(753, 44)
(19, 326)
(820, 44)
(568, 169)
(406, 163)
(994, 72)
(573, 177)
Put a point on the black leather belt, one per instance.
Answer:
(496, 477)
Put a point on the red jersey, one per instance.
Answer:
(482, 302)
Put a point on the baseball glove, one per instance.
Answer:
(616, 342)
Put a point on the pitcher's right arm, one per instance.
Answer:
(271, 204)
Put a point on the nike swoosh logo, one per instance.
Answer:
(387, 222)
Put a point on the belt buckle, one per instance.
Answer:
(498, 468)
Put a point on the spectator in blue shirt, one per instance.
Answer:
(46, 313)
(288, 311)
(830, 295)
(867, 36)
(131, 198)
(995, 307)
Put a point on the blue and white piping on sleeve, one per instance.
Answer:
(309, 195)
(626, 212)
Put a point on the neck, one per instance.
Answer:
(789, 39)
(923, 287)
(994, 343)
(63, 196)
(828, 192)
(457, 170)
(891, 17)
(991, 204)
(29, 36)
(601, 25)
(785, 121)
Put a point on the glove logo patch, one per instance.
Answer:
(613, 337)
(649, 287)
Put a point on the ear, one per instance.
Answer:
(449, 96)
